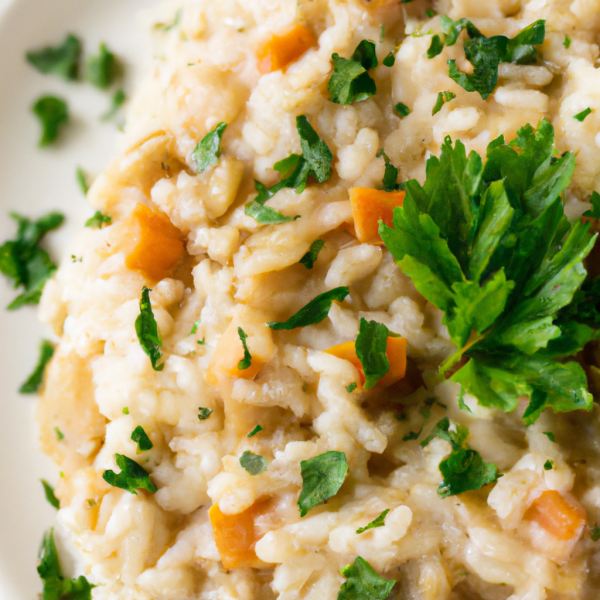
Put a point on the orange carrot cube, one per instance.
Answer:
(283, 49)
(369, 206)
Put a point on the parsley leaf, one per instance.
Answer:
(82, 180)
(247, 360)
(59, 434)
(132, 476)
(256, 430)
(208, 150)
(548, 465)
(98, 219)
(23, 261)
(204, 413)
(389, 60)
(314, 312)
(55, 586)
(53, 114)
(49, 492)
(390, 176)
(442, 98)
(314, 150)
(195, 327)
(490, 246)
(350, 81)
(377, 522)
(118, 99)
(140, 437)
(436, 47)
(402, 109)
(371, 345)
(147, 331)
(582, 115)
(309, 259)
(350, 388)
(595, 535)
(463, 469)
(550, 435)
(594, 213)
(255, 464)
(322, 477)
(567, 41)
(363, 582)
(62, 60)
(101, 70)
(34, 381)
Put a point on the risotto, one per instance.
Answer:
(333, 336)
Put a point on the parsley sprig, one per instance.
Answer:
(322, 477)
(491, 247)
(364, 583)
(350, 81)
(132, 476)
(61, 60)
(147, 331)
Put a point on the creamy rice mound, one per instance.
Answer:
(238, 273)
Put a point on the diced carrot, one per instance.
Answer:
(235, 536)
(154, 244)
(395, 352)
(562, 518)
(283, 49)
(369, 206)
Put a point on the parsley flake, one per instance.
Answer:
(204, 413)
(126, 410)
(53, 114)
(208, 151)
(350, 82)
(382, 33)
(314, 312)
(255, 464)
(56, 587)
(350, 388)
(132, 476)
(378, 522)
(548, 465)
(117, 101)
(49, 493)
(102, 69)
(389, 60)
(442, 98)
(567, 41)
(364, 583)
(98, 220)
(195, 327)
(594, 213)
(147, 331)
(550, 435)
(309, 259)
(371, 345)
(59, 434)
(430, 13)
(256, 430)
(322, 477)
(247, 360)
(582, 115)
(82, 180)
(62, 60)
(140, 437)
(390, 176)
(34, 381)
(595, 534)
(402, 109)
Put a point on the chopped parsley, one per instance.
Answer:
(49, 493)
(34, 381)
(582, 115)
(126, 410)
(378, 522)
(62, 60)
(461, 401)
(147, 331)
(382, 33)
(463, 469)
(594, 212)
(430, 13)
(436, 47)
(363, 582)
(208, 151)
(500, 266)
(314, 312)
(117, 101)
(195, 327)
(371, 345)
(23, 261)
(548, 465)
(82, 180)
(56, 587)
(322, 477)
(402, 109)
(595, 534)
(350, 388)
(550, 435)
(204, 413)
(247, 360)
(102, 69)
(140, 437)
(390, 176)
(172, 24)
(442, 98)
(567, 41)
(389, 60)
(350, 81)
(98, 220)
(256, 430)
(309, 259)
(132, 476)
(53, 114)
(255, 464)
(59, 434)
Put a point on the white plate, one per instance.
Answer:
(32, 182)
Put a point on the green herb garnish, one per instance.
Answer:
(489, 245)
(322, 477)
(548, 465)
(314, 312)
(62, 60)
(208, 151)
(59, 434)
(98, 220)
(582, 115)
(550, 435)
(256, 430)
(594, 212)
(147, 331)
(82, 180)
(247, 360)
(363, 582)
(126, 410)
(350, 82)
(140, 437)
(390, 176)
(595, 535)
(132, 476)
(55, 586)
(371, 345)
(255, 464)
(49, 493)
(309, 259)
(389, 60)
(442, 98)
(53, 114)
(567, 41)
(195, 327)
(117, 100)
(350, 388)
(204, 413)
(430, 13)
(102, 69)
(34, 381)
(378, 522)
(402, 109)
